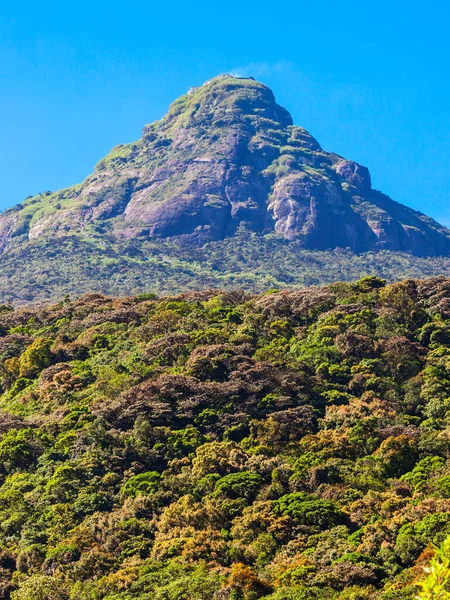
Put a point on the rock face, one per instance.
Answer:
(226, 155)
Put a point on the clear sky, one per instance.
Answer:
(370, 80)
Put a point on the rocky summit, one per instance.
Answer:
(226, 156)
(222, 192)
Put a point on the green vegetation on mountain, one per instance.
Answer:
(292, 445)
(48, 270)
(223, 191)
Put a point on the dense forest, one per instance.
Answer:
(292, 445)
(47, 269)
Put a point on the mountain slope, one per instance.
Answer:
(223, 191)
(49, 269)
(219, 446)
(225, 155)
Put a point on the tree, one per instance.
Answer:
(35, 358)
(143, 484)
(41, 587)
(308, 510)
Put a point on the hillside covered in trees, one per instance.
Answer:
(223, 446)
(47, 270)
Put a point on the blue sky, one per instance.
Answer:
(370, 81)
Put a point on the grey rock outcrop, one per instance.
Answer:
(226, 155)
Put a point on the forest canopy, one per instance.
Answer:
(214, 445)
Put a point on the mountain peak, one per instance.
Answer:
(226, 156)
(221, 78)
(221, 102)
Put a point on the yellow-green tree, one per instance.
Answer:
(40, 587)
(436, 585)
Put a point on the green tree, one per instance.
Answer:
(35, 358)
(41, 587)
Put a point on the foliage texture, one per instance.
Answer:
(225, 446)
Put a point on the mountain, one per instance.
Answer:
(225, 164)
(222, 446)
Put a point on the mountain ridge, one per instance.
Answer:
(227, 155)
